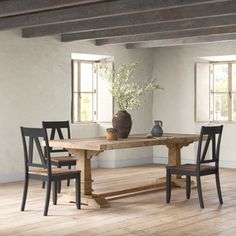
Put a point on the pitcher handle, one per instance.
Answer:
(160, 122)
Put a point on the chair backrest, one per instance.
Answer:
(209, 135)
(56, 128)
(31, 137)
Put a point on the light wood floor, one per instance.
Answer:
(138, 214)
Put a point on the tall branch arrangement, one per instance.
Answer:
(127, 93)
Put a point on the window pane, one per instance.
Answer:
(220, 78)
(86, 77)
(234, 77)
(75, 107)
(86, 107)
(75, 76)
(234, 106)
(220, 106)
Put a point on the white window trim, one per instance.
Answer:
(94, 121)
(211, 101)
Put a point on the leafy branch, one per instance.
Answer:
(126, 92)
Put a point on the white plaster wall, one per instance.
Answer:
(174, 68)
(35, 84)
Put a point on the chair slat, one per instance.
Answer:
(214, 147)
(52, 135)
(41, 155)
(31, 146)
(205, 148)
(60, 133)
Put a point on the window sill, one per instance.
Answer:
(223, 122)
(84, 123)
(216, 122)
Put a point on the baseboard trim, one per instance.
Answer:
(164, 160)
(223, 164)
(94, 164)
(228, 164)
(125, 163)
(160, 160)
(6, 178)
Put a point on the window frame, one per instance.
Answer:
(79, 94)
(204, 79)
(229, 92)
(95, 103)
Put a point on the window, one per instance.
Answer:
(91, 97)
(216, 91)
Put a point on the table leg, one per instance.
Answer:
(84, 165)
(174, 154)
(174, 159)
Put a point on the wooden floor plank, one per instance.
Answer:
(136, 214)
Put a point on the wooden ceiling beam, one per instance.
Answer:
(151, 28)
(183, 41)
(174, 14)
(168, 35)
(97, 10)
(16, 7)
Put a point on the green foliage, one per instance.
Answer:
(85, 108)
(126, 92)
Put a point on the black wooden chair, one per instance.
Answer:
(209, 134)
(56, 128)
(39, 166)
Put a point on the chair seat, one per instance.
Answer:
(55, 172)
(191, 168)
(63, 160)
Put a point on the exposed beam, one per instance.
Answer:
(96, 10)
(151, 28)
(187, 12)
(168, 35)
(183, 41)
(17, 7)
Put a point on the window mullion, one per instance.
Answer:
(94, 92)
(211, 94)
(78, 89)
(230, 91)
(96, 88)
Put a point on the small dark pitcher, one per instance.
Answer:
(157, 129)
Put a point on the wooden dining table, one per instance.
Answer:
(87, 148)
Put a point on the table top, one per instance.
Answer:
(139, 140)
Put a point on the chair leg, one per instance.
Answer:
(68, 181)
(77, 192)
(199, 189)
(59, 182)
(218, 188)
(25, 193)
(43, 184)
(47, 198)
(188, 186)
(168, 186)
(54, 196)
(59, 186)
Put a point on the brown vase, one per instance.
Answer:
(122, 122)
